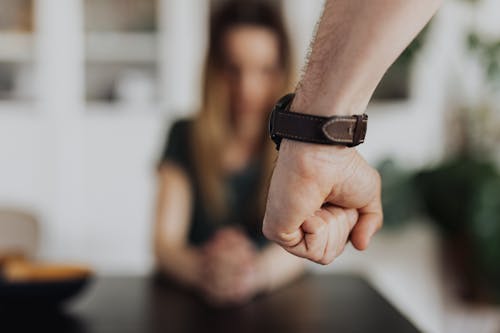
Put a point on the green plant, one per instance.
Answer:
(399, 196)
(485, 231)
(448, 191)
(488, 52)
(463, 197)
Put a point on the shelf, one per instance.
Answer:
(121, 47)
(17, 108)
(16, 47)
(123, 109)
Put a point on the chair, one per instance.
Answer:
(19, 234)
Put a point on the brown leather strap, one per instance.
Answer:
(341, 130)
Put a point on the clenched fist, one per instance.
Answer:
(319, 198)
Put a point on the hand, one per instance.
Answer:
(319, 193)
(230, 268)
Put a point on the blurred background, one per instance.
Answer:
(89, 88)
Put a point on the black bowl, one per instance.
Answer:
(40, 294)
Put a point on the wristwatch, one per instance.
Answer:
(348, 131)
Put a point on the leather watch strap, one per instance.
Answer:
(339, 130)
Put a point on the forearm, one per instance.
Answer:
(173, 254)
(355, 44)
(182, 264)
(277, 267)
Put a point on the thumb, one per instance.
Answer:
(368, 224)
(370, 221)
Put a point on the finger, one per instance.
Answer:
(227, 265)
(243, 286)
(340, 221)
(216, 243)
(313, 243)
(369, 222)
(237, 256)
(231, 235)
(222, 236)
(315, 231)
(340, 228)
(346, 218)
(233, 288)
(233, 242)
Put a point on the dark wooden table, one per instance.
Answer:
(315, 303)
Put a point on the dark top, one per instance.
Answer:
(241, 187)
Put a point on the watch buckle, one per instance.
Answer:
(359, 129)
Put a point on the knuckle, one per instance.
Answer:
(285, 239)
(341, 214)
(316, 256)
(325, 261)
(318, 228)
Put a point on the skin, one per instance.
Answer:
(229, 269)
(356, 43)
(252, 73)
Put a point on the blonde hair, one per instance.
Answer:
(212, 126)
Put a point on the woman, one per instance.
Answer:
(214, 172)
